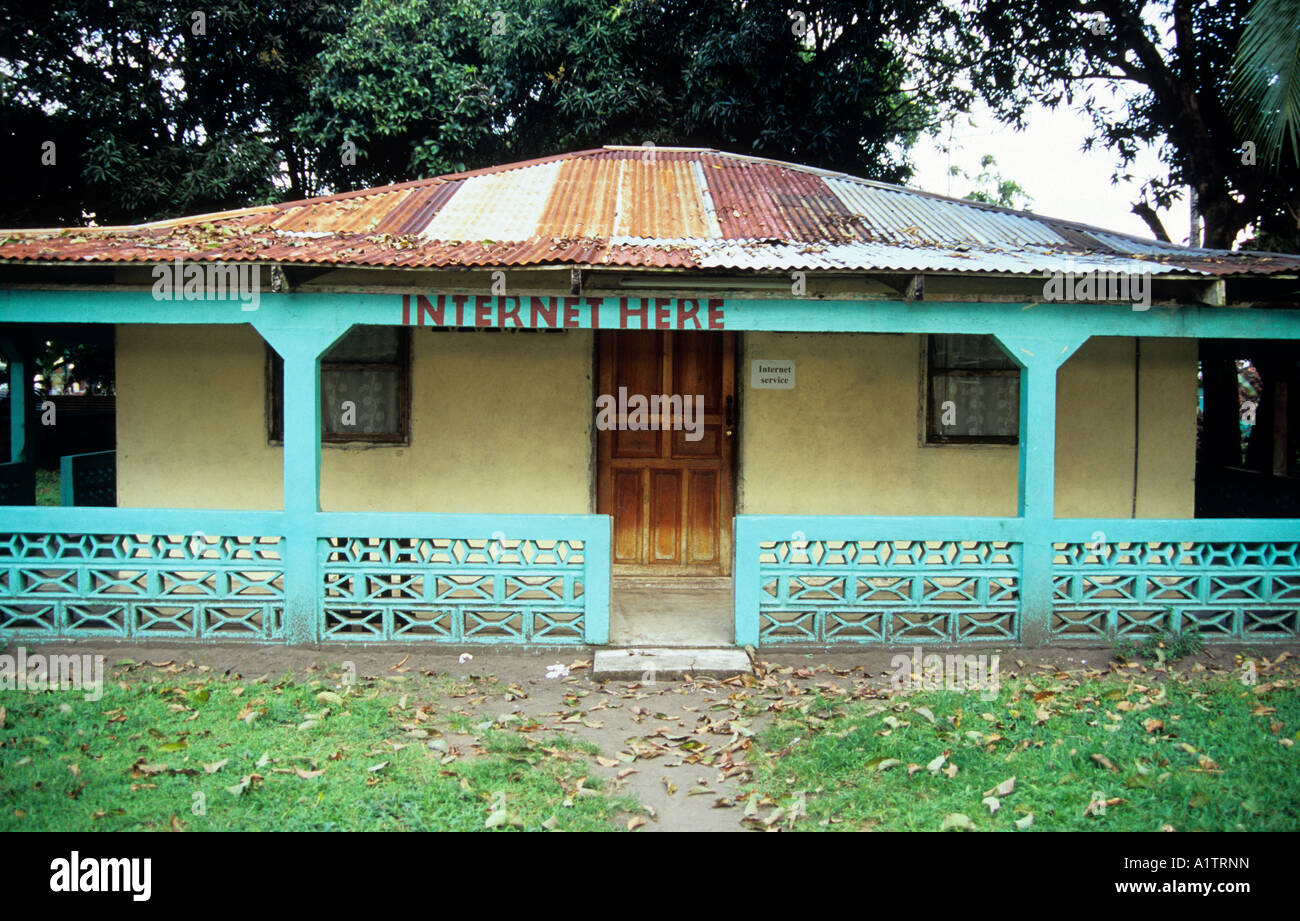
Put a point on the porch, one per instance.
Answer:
(301, 575)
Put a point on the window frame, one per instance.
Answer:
(928, 434)
(275, 395)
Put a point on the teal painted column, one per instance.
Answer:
(301, 349)
(745, 581)
(19, 360)
(1039, 361)
(599, 558)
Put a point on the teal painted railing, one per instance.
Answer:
(228, 575)
(88, 479)
(1230, 580)
(218, 575)
(465, 578)
(957, 580)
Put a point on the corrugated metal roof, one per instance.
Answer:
(641, 207)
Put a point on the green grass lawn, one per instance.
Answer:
(47, 488)
(161, 752)
(1195, 751)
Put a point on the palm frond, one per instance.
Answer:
(1266, 78)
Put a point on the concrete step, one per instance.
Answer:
(667, 664)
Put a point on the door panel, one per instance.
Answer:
(670, 496)
(627, 510)
(637, 359)
(702, 543)
(666, 514)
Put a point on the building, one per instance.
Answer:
(413, 413)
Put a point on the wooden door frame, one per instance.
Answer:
(603, 486)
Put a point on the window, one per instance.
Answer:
(365, 392)
(972, 392)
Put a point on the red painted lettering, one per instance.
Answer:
(688, 310)
(624, 311)
(715, 313)
(424, 308)
(571, 312)
(459, 300)
(540, 314)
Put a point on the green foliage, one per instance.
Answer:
(150, 120)
(1266, 79)
(429, 86)
(1146, 73)
(48, 491)
(1161, 647)
(403, 83)
(991, 187)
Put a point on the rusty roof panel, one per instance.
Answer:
(660, 198)
(641, 207)
(415, 213)
(362, 214)
(584, 200)
(764, 201)
(644, 196)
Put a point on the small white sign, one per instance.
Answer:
(771, 374)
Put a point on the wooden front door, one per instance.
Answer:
(670, 495)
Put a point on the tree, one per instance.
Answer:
(402, 93)
(143, 109)
(1266, 78)
(991, 187)
(154, 109)
(428, 86)
(1172, 62)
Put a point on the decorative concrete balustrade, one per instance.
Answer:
(960, 580)
(222, 576)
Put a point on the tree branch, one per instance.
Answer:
(1148, 214)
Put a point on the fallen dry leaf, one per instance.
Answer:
(1002, 789)
(1104, 762)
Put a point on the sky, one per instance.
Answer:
(1048, 161)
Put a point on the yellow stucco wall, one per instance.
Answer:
(191, 419)
(846, 440)
(1167, 432)
(499, 423)
(503, 423)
